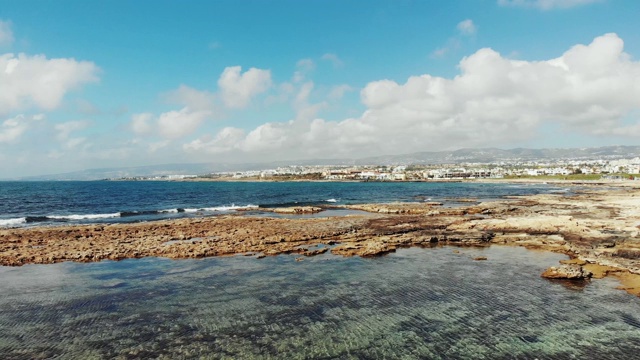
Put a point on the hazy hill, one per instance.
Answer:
(437, 157)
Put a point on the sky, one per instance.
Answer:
(99, 84)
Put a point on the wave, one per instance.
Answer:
(331, 200)
(12, 222)
(221, 208)
(84, 216)
(122, 214)
(170, 211)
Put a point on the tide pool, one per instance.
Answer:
(415, 303)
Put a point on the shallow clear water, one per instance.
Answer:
(416, 303)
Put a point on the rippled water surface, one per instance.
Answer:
(72, 202)
(416, 303)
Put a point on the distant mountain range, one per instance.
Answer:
(495, 155)
(487, 155)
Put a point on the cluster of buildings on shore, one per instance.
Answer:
(608, 169)
(620, 169)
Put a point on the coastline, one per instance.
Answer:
(598, 228)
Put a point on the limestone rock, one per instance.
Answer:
(567, 271)
(297, 210)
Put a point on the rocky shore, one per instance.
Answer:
(598, 228)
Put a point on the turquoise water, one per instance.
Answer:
(416, 303)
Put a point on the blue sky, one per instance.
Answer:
(88, 84)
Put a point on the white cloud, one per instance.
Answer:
(12, 129)
(6, 34)
(169, 125)
(237, 89)
(37, 81)
(197, 106)
(194, 99)
(141, 123)
(546, 4)
(467, 27)
(334, 59)
(493, 101)
(227, 139)
(176, 124)
(305, 110)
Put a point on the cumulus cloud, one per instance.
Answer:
(546, 4)
(467, 27)
(141, 123)
(227, 139)
(305, 109)
(176, 124)
(169, 125)
(12, 129)
(6, 34)
(237, 89)
(192, 98)
(37, 81)
(493, 101)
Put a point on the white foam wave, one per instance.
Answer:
(84, 216)
(331, 200)
(223, 208)
(166, 211)
(13, 222)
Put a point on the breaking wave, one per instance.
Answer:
(12, 222)
(15, 222)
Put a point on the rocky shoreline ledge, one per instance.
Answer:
(599, 229)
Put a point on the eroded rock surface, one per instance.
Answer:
(597, 228)
(567, 271)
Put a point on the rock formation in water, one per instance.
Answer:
(600, 229)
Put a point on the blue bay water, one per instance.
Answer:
(35, 203)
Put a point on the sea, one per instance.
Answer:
(417, 303)
(64, 203)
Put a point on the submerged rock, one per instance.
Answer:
(297, 210)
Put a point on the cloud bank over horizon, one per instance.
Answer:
(493, 100)
(59, 113)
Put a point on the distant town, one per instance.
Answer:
(619, 169)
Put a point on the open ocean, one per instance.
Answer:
(418, 303)
(46, 203)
